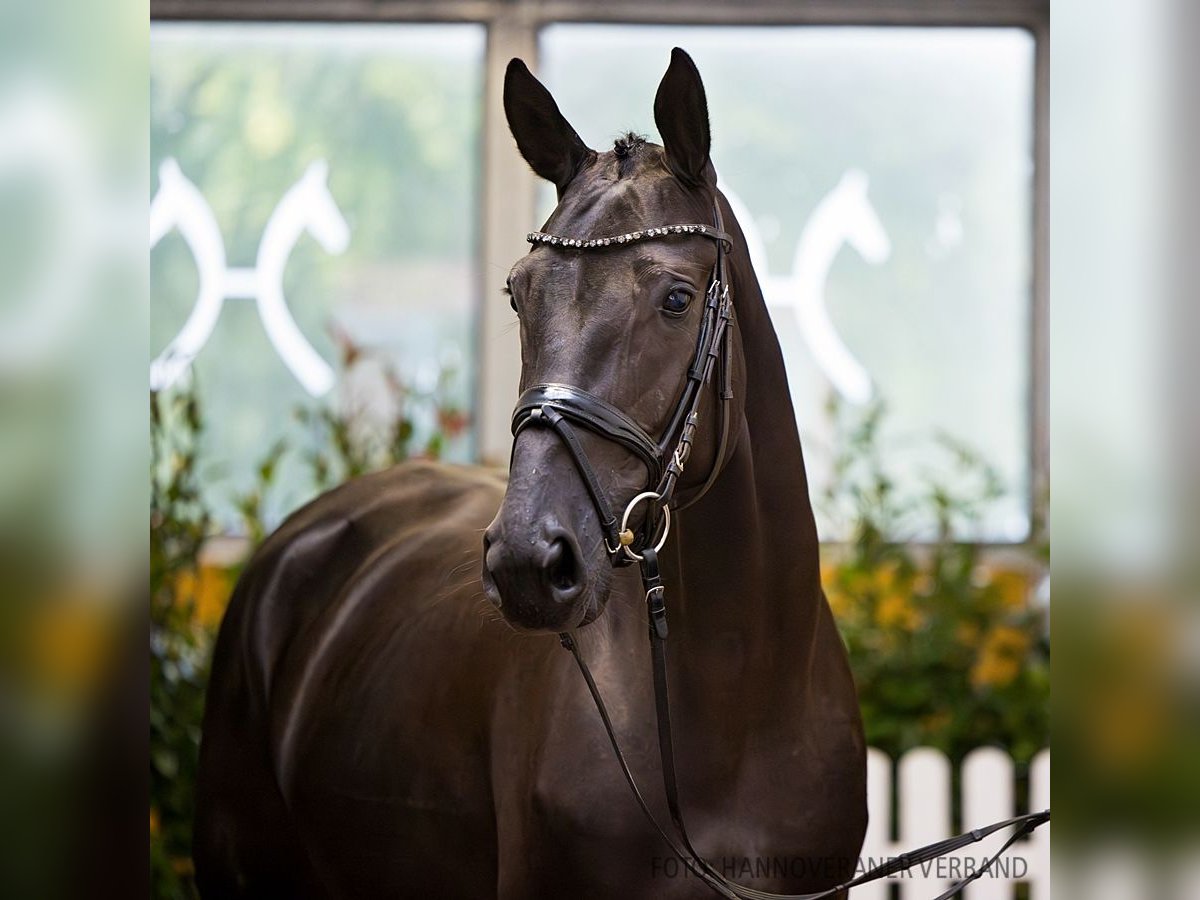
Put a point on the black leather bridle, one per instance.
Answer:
(563, 408)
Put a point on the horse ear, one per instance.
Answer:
(544, 137)
(681, 114)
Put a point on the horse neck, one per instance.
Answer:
(748, 551)
(283, 230)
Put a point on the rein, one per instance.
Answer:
(563, 408)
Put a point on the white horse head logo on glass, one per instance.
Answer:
(307, 205)
(843, 216)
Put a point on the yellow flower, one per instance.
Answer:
(1012, 588)
(839, 603)
(887, 578)
(895, 610)
(999, 661)
(1009, 640)
(209, 590)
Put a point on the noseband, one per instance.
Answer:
(563, 407)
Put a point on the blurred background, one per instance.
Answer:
(334, 202)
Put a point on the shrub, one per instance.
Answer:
(946, 648)
(180, 643)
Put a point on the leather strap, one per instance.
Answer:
(714, 351)
(696, 868)
(549, 414)
(593, 413)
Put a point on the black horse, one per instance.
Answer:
(375, 727)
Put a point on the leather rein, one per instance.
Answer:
(563, 408)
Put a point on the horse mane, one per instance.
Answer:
(625, 148)
(628, 144)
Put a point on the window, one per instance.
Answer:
(313, 185)
(884, 177)
(888, 161)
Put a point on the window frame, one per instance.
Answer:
(508, 192)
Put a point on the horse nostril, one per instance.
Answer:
(491, 590)
(562, 568)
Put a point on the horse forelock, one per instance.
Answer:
(626, 148)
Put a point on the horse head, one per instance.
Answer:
(178, 203)
(618, 322)
(858, 218)
(318, 211)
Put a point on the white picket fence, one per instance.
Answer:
(923, 796)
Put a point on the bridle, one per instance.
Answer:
(562, 408)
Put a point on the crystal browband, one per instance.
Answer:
(554, 240)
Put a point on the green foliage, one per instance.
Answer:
(394, 421)
(946, 649)
(251, 505)
(395, 113)
(179, 644)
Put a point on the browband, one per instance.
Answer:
(556, 240)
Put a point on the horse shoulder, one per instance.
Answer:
(351, 619)
(294, 578)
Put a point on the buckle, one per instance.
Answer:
(657, 608)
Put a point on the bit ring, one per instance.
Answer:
(645, 495)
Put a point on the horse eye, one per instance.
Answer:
(512, 300)
(677, 301)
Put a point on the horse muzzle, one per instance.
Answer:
(538, 577)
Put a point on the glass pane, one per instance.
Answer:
(884, 178)
(336, 167)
